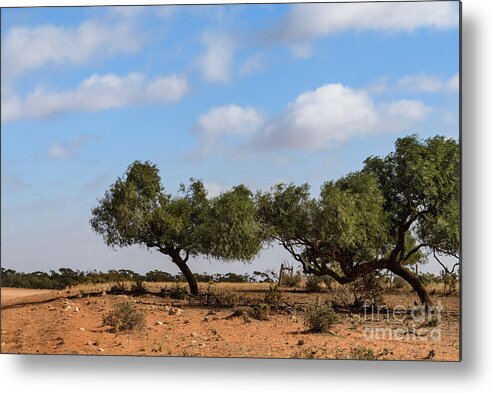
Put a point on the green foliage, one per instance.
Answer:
(320, 317)
(420, 182)
(68, 277)
(348, 217)
(388, 215)
(137, 210)
(124, 317)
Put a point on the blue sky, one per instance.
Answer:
(253, 94)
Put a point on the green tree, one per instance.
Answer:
(136, 210)
(386, 216)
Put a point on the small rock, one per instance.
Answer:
(89, 343)
(175, 311)
(301, 341)
(167, 308)
(193, 334)
(76, 309)
(101, 350)
(194, 342)
(159, 322)
(82, 329)
(202, 345)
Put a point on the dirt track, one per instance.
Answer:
(9, 294)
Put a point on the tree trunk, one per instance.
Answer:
(182, 265)
(192, 282)
(415, 282)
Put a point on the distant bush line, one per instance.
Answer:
(66, 277)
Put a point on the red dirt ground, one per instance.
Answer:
(73, 326)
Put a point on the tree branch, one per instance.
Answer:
(414, 250)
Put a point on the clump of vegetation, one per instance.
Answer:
(368, 289)
(261, 312)
(314, 283)
(292, 281)
(273, 297)
(138, 288)
(320, 317)
(399, 283)
(449, 283)
(177, 292)
(362, 353)
(124, 317)
(118, 288)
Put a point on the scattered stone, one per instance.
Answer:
(159, 323)
(202, 345)
(175, 311)
(82, 329)
(301, 341)
(193, 334)
(167, 308)
(194, 342)
(101, 350)
(76, 309)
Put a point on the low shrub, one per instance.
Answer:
(177, 292)
(320, 317)
(362, 353)
(368, 289)
(124, 317)
(138, 288)
(291, 281)
(118, 288)
(261, 312)
(314, 284)
(273, 297)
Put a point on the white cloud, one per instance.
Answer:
(335, 113)
(215, 189)
(331, 113)
(96, 93)
(230, 119)
(28, 48)
(453, 83)
(302, 50)
(428, 83)
(217, 61)
(252, 64)
(420, 83)
(313, 20)
(65, 149)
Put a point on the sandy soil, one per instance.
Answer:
(74, 326)
(15, 293)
